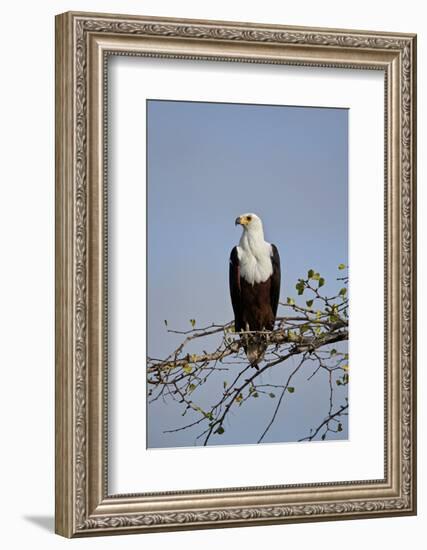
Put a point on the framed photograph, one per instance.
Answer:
(235, 274)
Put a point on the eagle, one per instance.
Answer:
(254, 286)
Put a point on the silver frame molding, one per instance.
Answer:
(83, 43)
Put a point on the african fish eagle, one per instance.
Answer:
(254, 285)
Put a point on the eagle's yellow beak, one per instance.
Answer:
(242, 220)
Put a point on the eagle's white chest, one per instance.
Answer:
(254, 260)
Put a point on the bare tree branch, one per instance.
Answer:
(325, 423)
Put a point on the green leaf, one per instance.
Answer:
(290, 301)
(343, 291)
(309, 303)
(333, 351)
(220, 430)
(193, 322)
(316, 276)
(225, 383)
(300, 286)
(341, 267)
(310, 273)
(191, 387)
(187, 369)
(271, 395)
(321, 281)
(291, 389)
(166, 322)
(339, 429)
(255, 394)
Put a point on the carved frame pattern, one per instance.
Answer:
(83, 506)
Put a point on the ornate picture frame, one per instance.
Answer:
(84, 506)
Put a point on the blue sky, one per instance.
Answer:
(208, 163)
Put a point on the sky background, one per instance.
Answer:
(208, 163)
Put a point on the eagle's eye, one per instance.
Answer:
(249, 218)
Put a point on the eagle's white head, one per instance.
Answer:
(250, 222)
(253, 251)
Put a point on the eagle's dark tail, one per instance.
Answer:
(255, 347)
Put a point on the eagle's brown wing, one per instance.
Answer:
(275, 280)
(235, 289)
